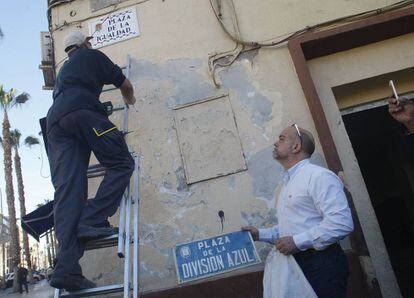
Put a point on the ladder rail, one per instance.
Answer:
(121, 227)
(122, 239)
(135, 287)
(127, 245)
(126, 114)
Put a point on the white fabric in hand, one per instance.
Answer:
(283, 278)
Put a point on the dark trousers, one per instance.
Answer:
(70, 143)
(327, 271)
(22, 283)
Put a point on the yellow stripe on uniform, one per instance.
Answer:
(102, 133)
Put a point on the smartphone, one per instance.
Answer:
(394, 91)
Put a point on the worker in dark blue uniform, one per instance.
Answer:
(77, 124)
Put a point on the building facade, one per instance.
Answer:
(215, 82)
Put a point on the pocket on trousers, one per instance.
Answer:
(108, 140)
(103, 128)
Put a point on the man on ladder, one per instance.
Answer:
(77, 124)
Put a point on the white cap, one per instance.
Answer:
(75, 38)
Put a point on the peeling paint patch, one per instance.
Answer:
(177, 194)
(145, 269)
(188, 84)
(265, 173)
(258, 220)
(160, 234)
(259, 106)
(181, 179)
(231, 180)
(170, 135)
(249, 55)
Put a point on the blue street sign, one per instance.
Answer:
(216, 255)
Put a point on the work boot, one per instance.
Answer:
(86, 233)
(102, 224)
(86, 284)
(71, 283)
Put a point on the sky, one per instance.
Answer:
(21, 22)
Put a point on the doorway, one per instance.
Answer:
(387, 167)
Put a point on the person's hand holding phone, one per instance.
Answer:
(402, 110)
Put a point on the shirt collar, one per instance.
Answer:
(292, 170)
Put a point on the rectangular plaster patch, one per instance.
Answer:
(208, 138)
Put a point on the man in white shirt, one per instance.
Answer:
(313, 215)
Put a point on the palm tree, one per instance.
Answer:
(15, 142)
(8, 100)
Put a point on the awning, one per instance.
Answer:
(39, 221)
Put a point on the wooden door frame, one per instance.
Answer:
(346, 37)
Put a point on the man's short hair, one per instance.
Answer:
(308, 142)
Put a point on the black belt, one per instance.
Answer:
(311, 251)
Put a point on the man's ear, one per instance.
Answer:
(296, 148)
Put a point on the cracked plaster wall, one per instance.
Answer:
(169, 68)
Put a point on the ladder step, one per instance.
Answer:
(109, 241)
(94, 291)
(118, 108)
(102, 242)
(96, 175)
(95, 171)
(109, 89)
(96, 167)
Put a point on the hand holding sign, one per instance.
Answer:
(253, 231)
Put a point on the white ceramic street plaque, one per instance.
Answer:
(114, 27)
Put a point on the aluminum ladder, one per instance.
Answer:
(125, 237)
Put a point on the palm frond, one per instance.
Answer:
(2, 97)
(15, 136)
(9, 99)
(30, 141)
(22, 98)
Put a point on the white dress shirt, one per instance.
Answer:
(312, 208)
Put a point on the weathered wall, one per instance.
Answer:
(169, 69)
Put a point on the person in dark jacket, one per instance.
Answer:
(76, 125)
(22, 278)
